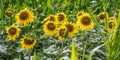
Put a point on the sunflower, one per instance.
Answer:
(25, 17)
(71, 28)
(112, 23)
(62, 33)
(103, 16)
(80, 14)
(28, 42)
(50, 28)
(85, 22)
(9, 13)
(50, 18)
(13, 32)
(61, 17)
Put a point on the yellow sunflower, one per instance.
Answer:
(62, 33)
(71, 28)
(50, 18)
(80, 14)
(103, 16)
(85, 22)
(28, 42)
(9, 13)
(25, 17)
(112, 24)
(13, 32)
(50, 28)
(61, 17)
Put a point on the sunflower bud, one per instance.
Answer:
(9, 13)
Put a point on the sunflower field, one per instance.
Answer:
(59, 30)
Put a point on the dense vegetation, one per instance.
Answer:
(59, 29)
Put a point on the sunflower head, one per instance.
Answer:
(111, 24)
(50, 18)
(25, 17)
(103, 15)
(80, 14)
(53, 18)
(9, 12)
(50, 28)
(85, 22)
(62, 33)
(71, 28)
(13, 32)
(28, 42)
(61, 17)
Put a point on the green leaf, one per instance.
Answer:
(115, 42)
(61, 58)
(94, 50)
(34, 57)
(19, 57)
(73, 55)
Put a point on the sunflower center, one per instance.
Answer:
(10, 13)
(62, 32)
(12, 31)
(102, 16)
(23, 15)
(51, 26)
(52, 18)
(111, 25)
(61, 17)
(70, 27)
(28, 41)
(86, 21)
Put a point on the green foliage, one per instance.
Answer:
(114, 51)
(73, 55)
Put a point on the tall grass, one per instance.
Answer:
(113, 48)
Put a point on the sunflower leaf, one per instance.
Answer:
(73, 55)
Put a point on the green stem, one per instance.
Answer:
(62, 45)
(83, 51)
(10, 20)
(8, 49)
(84, 47)
(29, 55)
(19, 56)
